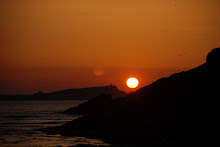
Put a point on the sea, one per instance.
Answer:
(20, 119)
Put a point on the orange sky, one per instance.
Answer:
(57, 44)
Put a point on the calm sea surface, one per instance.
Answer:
(19, 119)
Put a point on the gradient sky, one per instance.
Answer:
(52, 45)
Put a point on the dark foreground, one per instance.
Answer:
(181, 109)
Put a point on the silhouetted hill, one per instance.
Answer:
(70, 94)
(182, 108)
(91, 106)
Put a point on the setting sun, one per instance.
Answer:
(132, 82)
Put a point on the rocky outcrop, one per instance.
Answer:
(182, 108)
(91, 106)
(213, 57)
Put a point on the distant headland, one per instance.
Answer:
(69, 94)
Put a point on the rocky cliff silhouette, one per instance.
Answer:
(69, 94)
(182, 108)
(91, 106)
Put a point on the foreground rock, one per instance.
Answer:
(92, 106)
(182, 108)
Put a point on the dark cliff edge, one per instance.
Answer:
(180, 109)
(91, 106)
(69, 94)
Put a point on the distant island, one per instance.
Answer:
(69, 94)
(180, 109)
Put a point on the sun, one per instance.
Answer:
(132, 82)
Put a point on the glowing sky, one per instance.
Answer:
(58, 44)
